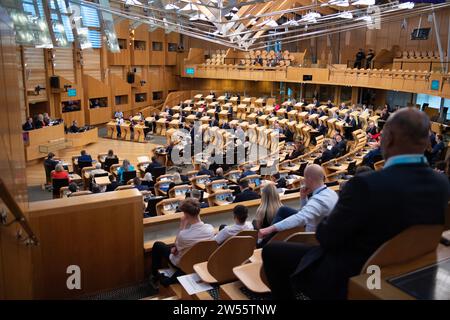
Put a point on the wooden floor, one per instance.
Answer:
(124, 149)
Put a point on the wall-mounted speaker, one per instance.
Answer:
(130, 77)
(54, 82)
(307, 77)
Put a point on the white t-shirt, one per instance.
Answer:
(230, 231)
(186, 238)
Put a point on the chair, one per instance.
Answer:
(109, 162)
(125, 187)
(157, 171)
(84, 164)
(408, 245)
(199, 252)
(378, 165)
(351, 168)
(303, 237)
(128, 175)
(252, 277)
(219, 266)
(248, 233)
(57, 184)
(64, 192)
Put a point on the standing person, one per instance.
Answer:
(359, 58)
(369, 58)
(405, 193)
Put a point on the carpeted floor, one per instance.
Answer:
(135, 292)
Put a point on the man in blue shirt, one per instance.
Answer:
(84, 157)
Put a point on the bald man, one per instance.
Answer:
(312, 209)
(372, 208)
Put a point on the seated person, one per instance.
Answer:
(278, 180)
(126, 166)
(96, 188)
(29, 125)
(113, 185)
(84, 157)
(246, 192)
(270, 203)
(247, 171)
(219, 175)
(74, 127)
(98, 170)
(372, 156)
(153, 164)
(50, 162)
(408, 193)
(39, 123)
(327, 153)
(372, 130)
(111, 155)
(191, 231)
(147, 180)
(437, 150)
(240, 214)
(60, 173)
(138, 185)
(72, 188)
(47, 119)
(339, 147)
(312, 209)
(298, 151)
(204, 170)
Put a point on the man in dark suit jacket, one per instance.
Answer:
(204, 171)
(153, 164)
(246, 193)
(372, 208)
(340, 146)
(27, 126)
(113, 185)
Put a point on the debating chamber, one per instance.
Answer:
(251, 150)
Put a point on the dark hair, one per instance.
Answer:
(276, 175)
(190, 206)
(243, 183)
(73, 187)
(51, 155)
(96, 188)
(136, 181)
(110, 153)
(83, 152)
(241, 213)
(153, 158)
(440, 137)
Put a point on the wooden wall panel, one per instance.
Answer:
(157, 58)
(15, 257)
(64, 64)
(102, 234)
(91, 63)
(35, 74)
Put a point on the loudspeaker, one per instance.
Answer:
(54, 82)
(130, 77)
(307, 77)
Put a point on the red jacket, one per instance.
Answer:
(60, 175)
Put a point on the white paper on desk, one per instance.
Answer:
(193, 284)
(168, 272)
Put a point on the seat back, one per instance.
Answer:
(84, 164)
(248, 233)
(233, 252)
(303, 237)
(128, 175)
(199, 252)
(157, 171)
(283, 235)
(351, 168)
(408, 245)
(109, 162)
(57, 184)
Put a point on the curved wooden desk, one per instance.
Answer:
(39, 142)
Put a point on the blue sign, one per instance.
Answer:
(71, 92)
(434, 84)
(190, 71)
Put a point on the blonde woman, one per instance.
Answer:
(270, 203)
